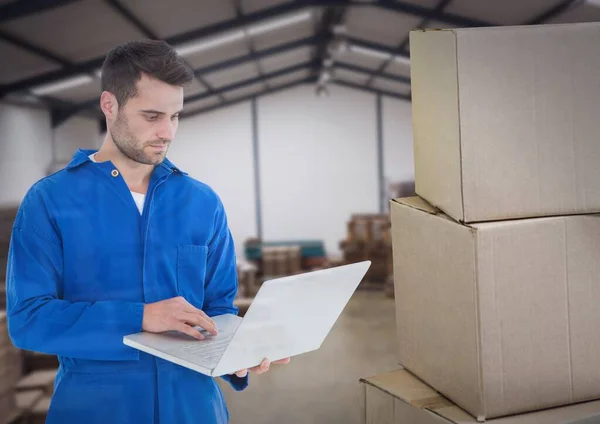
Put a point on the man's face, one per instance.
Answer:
(146, 124)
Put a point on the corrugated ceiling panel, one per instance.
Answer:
(80, 93)
(245, 91)
(173, 17)
(232, 75)
(21, 64)
(193, 88)
(393, 86)
(283, 35)
(250, 6)
(78, 31)
(200, 104)
(505, 12)
(218, 54)
(288, 78)
(380, 26)
(584, 12)
(350, 76)
(288, 58)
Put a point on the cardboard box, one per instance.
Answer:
(501, 120)
(400, 398)
(500, 317)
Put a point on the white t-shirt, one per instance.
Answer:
(138, 198)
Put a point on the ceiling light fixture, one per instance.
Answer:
(54, 87)
(402, 59)
(220, 40)
(379, 54)
(279, 23)
(207, 44)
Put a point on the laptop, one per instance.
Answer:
(289, 316)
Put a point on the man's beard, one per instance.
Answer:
(128, 144)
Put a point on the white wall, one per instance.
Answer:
(216, 148)
(318, 160)
(25, 150)
(398, 158)
(75, 133)
(318, 163)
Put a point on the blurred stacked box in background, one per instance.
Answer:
(7, 218)
(26, 378)
(368, 238)
(10, 373)
(281, 261)
(303, 255)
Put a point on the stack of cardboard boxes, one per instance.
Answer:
(7, 217)
(497, 263)
(10, 372)
(368, 238)
(281, 261)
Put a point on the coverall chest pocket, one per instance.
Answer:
(191, 273)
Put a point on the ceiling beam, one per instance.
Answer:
(371, 90)
(554, 11)
(402, 47)
(239, 13)
(349, 67)
(332, 16)
(269, 90)
(23, 8)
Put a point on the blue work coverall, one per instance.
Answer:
(82, 264)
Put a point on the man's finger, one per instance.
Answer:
(188, 307)
(242, 373)
(283, 361)
(207, 317)
(199, 320)
(190, 331)
(264, 366)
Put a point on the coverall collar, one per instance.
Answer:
(81, 156)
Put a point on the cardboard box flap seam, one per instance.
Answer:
(478, 335)
(568, 309)
(430, 403)
(422, 205)
(460, 149)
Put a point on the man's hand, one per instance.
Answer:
(262, 368)
(176, 314)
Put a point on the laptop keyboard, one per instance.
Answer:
(208, 352)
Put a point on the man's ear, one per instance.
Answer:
(109, 105)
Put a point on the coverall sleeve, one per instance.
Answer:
(221, 283)
(38, 319)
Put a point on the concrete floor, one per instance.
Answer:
(323, 386)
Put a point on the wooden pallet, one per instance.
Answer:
(38, 380)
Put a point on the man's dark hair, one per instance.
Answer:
(124, 66)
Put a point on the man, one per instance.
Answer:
(122, 241)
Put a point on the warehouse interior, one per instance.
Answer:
(300, 117)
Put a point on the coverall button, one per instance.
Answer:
(114, 173)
